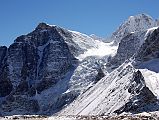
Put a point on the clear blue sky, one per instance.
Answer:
(100, 17)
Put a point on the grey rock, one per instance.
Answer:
(128, 47)
(20, 103)
(149, 49)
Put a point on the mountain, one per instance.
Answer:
(48, 68)
(132, 87)
(55, 71)
(135, 23)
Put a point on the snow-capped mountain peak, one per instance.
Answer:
(135, 23)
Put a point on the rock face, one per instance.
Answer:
(5, 83)
(130, 36)
(128, 46)
(131, 46)
(149, 49)
(3, 52)
(34, 62)
(39, 58)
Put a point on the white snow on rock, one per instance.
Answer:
(150, 30)
(150, 71)
(83, 40)
(106, 96)
(137, 23)
(101, 50)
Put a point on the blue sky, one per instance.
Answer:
(100, 17)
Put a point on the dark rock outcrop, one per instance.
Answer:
(18, 102)
(141, 96)
(150, 49)
(3, 52)
(128, 47)
(34, 62)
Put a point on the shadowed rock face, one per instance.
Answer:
(141, 46)
(150, 49)
(34, 62)
(128, 47)
(5, 86)
(3, 52)
(5, 83)
(37, 59)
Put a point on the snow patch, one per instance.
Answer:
(150, 30)
(152, 81)
(101, 50)
(150, 71)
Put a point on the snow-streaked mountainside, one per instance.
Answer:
(45, 70)
(137, 23)
(55, 71)
(123, 90)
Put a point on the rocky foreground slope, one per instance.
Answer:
(54, 71)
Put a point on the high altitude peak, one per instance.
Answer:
(43, 26)
(137, 23)
(145, 15)
(141, 16)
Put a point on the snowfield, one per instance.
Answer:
(101, 50)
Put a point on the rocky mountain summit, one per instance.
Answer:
(53, 70)
(137, 23)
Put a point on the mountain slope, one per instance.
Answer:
(121, 91)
